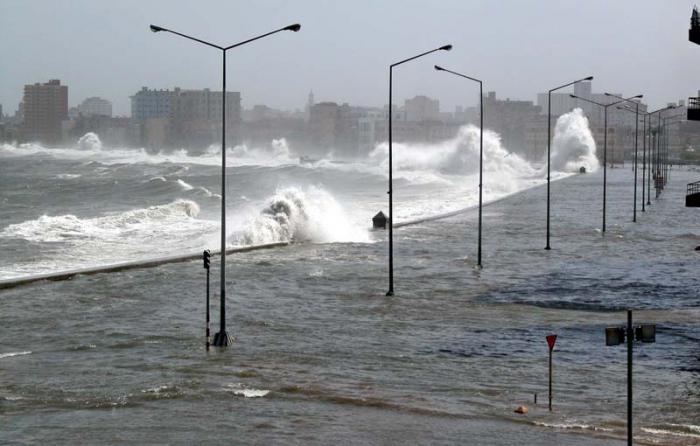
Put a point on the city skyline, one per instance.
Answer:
(350, 65)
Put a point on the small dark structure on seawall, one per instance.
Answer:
(379, 221)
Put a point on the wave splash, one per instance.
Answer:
(122, 225)
(573, 145)
(296, 215)
(89, 147)
(90, 142)
(456, 156)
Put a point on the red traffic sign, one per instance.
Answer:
(551, 340)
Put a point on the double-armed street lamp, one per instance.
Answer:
(391, 169)
(643, 115)
(653, 142)
(222, 339)
(549, 142)
(666, 133)
(636, 130)
(481, 147)
(605, 144)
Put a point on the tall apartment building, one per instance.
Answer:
(195, 117)
(146, 104)
(422, 108)
(95, 106)
(45, 108)
(185, 118)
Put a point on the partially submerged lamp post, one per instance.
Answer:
(391, 188)
(636, 130)
(549, 141)
(481, 147)
(222, 339)
(653, 133)
(617, 335)
(605, 145)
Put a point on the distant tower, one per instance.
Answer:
(309, 104)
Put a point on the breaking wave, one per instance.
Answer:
(122, 225)
(573, 145)
(90, 141)
(456, 156)
(89, 147)
(296, 215)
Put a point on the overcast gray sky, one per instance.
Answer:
(519, 48)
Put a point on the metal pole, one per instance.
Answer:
(481, 164)
(208, 334)
(549, 157)
(630, 340)
(391, 195)
(550, 379)
(605, 163)
(652, 136)
(221, 338)
(644, 158)
(658, 159)
(636, 130)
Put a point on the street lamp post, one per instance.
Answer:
(644, 156)
(636, 130)
(222, 339)
(667, 140)
(549, 143)
(652, 138)
(481, 147)
(391, 172)
(617, 335)
(605, 144)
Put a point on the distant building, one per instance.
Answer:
(185, 118)
(323, 121)
(45, 108)
(422, 108)
(95, 106)
(147, 104)
(195, 117)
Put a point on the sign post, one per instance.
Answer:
(551, 340)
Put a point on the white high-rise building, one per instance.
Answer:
(95, 106)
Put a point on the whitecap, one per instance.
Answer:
(11, 354)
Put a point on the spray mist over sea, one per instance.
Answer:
(106, 205)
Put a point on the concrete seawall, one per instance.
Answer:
(145, 263)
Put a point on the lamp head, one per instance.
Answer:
(296, 27)
(639, 96)
(589, 78)
(446, 48)
(156, 29)
(573, 96)
(439, 68)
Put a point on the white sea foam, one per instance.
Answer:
(296, 215)
(676, 430)
(576, 426)
(90, 142)
(184, 185)
(11, 354)
(90, 148)
(573, 145)
(69, 227)
(115, 237)
(239, 390)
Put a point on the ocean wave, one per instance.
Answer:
(296, 215)
(69, 227)
(239, 390)
(11, 354)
